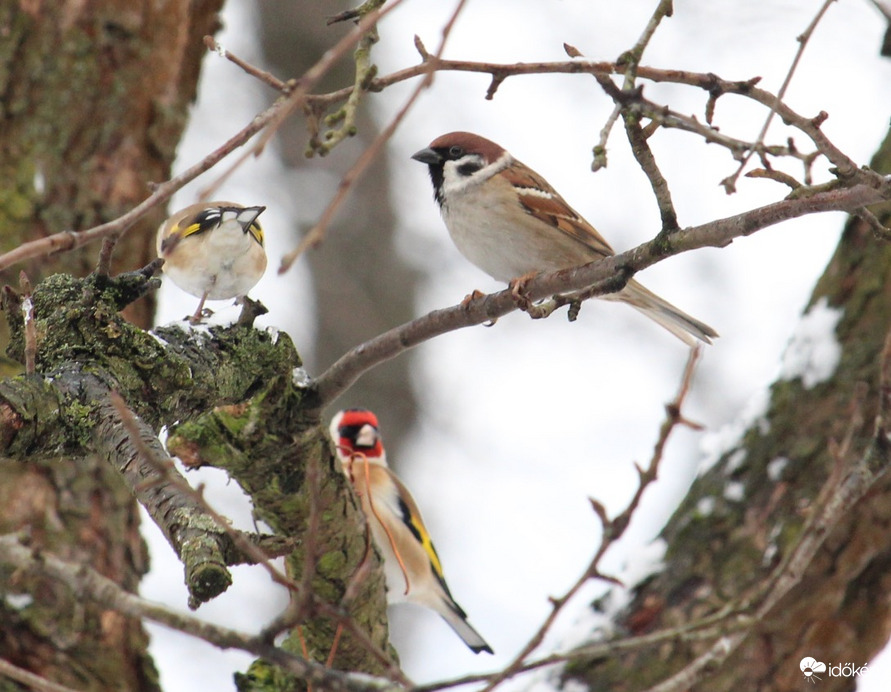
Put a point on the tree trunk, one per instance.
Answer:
(95, 99)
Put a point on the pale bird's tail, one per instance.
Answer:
(687, 329)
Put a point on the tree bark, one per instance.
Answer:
(722, 545)
(94, 99)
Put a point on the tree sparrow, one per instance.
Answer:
(411, 566)
(508, 221)
(213, 250)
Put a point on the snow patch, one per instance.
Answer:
(734, 491)
(705, 506)
(814, 352)
(18, 601)
(715, 445)
(776, 467)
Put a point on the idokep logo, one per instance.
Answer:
(810, 667)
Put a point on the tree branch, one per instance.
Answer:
(353, 364)
(87, 583)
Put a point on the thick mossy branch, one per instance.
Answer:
(169, 374)
(85, 351)
(287, 466)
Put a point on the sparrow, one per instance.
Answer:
(412, 568)
(213, 250)
(508, 221)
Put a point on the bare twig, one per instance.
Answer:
(880, 231)
(692, 673)
(270, 119)
(298, 95)
(317, 233)
(88, 583)
(729, 182)
(613, 529)
(266, 77)
(103, 265)
(353, 364)
(32, 681)
(364, 73)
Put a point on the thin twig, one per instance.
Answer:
(264, 76)
(317, 233)
(729, 182)
(719, 233)
(87, 583)
(103, 265)
(613, 529)
(68, 240)
(33, 681)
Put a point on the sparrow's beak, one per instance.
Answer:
(367, 436)
(428, 156)
(248, 215)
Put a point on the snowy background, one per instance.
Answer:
(521, 423)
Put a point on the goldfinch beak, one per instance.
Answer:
(248, 215)
(367, 436)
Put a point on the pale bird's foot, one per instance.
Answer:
(200, 316)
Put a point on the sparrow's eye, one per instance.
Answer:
(456, 152)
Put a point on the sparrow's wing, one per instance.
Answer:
(540, 200)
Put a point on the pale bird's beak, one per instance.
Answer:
(248, 215)
(367, 436)
(428, 156)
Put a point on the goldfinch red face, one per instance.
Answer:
(508, 221)
(213, 250)
(356, 432)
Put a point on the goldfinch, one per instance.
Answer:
(508, 221)
(411, 566)
(213, 250)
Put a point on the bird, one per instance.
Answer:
(213, 250)
(412, 568)
(508, 221)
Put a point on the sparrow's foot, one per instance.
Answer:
(518, 291)
(470, 297)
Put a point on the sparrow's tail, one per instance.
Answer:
(451, 612)
(678, 322)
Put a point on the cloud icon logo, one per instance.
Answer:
(810, 667)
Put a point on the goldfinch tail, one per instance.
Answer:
(451, 612)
